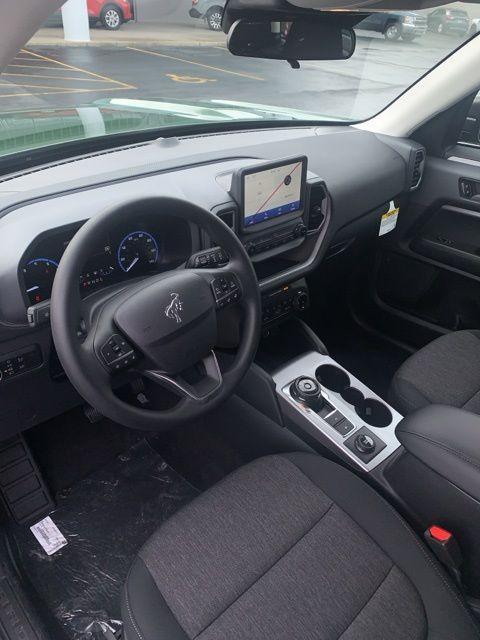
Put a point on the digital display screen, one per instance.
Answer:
(272, 192)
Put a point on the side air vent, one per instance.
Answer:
(417, 170)
(228, 215)
(317, 208)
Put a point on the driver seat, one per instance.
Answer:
(290, 547)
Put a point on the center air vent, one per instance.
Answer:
(417, 171)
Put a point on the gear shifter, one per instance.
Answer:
(308, 392)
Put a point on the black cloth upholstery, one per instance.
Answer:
(290, 547)
(446, 371)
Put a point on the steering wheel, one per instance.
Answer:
(163, 328)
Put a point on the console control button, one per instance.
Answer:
(344, 427)
(117, 353)
(334, 418)
(326, 409)
(226, 290)
(365, 444)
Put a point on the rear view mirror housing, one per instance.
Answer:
(292, 40)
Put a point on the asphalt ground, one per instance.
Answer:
(44, 76)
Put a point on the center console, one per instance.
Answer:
(328, 403)
(279, 209)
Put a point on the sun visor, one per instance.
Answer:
(371, 5)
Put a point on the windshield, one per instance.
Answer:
(134, 66)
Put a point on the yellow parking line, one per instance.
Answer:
(198, 64)
(35, 66)
(34, 93)
(72, 68)
(47, 93)
(38, 75)
(11, 85)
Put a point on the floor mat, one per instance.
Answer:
(72, 432)
(105, 518)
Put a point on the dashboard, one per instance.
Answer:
(287, 193)
(151, 247)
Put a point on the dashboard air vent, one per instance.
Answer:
(228, 217)
(418, 166)
(316, 215)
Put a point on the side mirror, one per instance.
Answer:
(297, 39)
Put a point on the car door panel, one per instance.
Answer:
(427, 272)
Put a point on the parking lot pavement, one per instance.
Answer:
(68, 76)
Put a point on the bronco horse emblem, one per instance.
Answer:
(173, 309)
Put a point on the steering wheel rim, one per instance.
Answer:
(80, 357)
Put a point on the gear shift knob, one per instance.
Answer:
(307, 391)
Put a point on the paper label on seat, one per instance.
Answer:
(389, 220)
(49, 535)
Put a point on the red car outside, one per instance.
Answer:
(110, 14)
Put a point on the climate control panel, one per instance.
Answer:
(284, 302)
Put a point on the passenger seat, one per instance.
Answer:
(446, 371)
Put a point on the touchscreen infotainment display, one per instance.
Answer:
(272, 192)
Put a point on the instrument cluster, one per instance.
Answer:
(148, 248)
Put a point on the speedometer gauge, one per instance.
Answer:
(39, 274)
(137, 250)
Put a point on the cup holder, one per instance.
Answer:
(332, 378)
(353, 396)
(374, 413)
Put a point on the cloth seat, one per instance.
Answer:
(290, 547)
(446, 371)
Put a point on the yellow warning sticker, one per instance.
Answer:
(389, 220)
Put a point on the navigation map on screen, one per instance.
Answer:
(272, 193)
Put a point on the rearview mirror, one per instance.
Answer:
(298, 39)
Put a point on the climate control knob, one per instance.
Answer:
(300, 230)
(365, 443)
(301, 301)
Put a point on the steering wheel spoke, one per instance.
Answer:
(202, 389)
